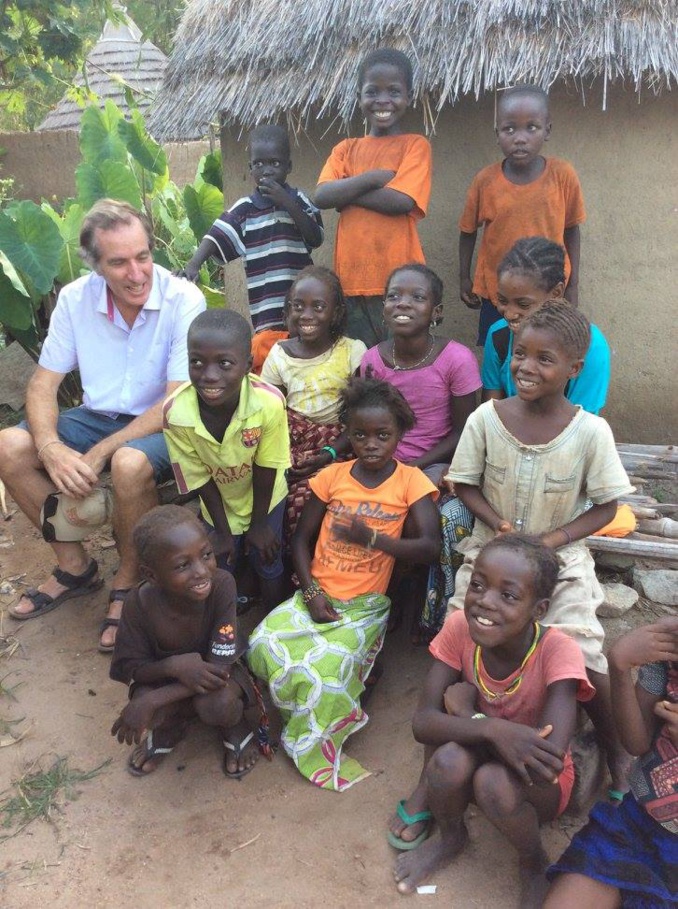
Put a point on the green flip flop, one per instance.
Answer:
(409, 820)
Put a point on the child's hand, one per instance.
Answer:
(667, 712)
(223, 544)
(382, 176)
(198, 675)
(527, 751)
(466, 295)
(321, 610)
(264, 541)
(503, 527)
(351, 529)
(446, 485)
(460, 699)
(650, 644)
(135, 720)
(190, 272)
(271, 189)
(309, 463)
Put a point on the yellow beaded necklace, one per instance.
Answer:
(515, 684)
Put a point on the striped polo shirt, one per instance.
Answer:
(274, 252)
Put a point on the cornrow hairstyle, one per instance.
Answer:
(333, 284)
(537, 257)
(390, 57)
(108, 214)
(234, 329)
(150, 531)
(525, 89)
(568, 325)
(434, 282)
(543, 560)
(270, 132)
(362, 393)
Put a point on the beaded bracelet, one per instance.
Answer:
(311, 591)
(332, 451)
(479, 716)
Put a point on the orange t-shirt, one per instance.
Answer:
(508, 212)
(369, 245)
(347, 570)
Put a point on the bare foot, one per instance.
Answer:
(533, 883)
(412, 806)
(417, 866)
(240, 751)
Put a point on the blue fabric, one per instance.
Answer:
(81, 429)
(625, 848)
(489, 314)
(588, 389)
(275, 568)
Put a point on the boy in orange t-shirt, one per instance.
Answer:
(525, 195)
(381, 186)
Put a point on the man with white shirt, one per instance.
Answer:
(124, 327)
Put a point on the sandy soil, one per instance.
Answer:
(187, 836)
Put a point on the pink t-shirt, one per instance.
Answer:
(557, 657)
(428, 390)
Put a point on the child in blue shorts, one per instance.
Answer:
(227, 436)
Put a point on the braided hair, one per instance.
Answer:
(542, 559)
(149, 534)
(537, 257)
(327, 277)
(570, 326)
(362, 393)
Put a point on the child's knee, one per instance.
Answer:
(495, 790)
(223, 707)
(450, 765)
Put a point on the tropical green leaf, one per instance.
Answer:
(33, 244)
(16, 309)
(203, 207)
(71, 265)
(141, 146)
(209, 168)
(11, 273)
(214, 298)
(99, 136)
(109, 180)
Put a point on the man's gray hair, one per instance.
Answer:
(108, 214)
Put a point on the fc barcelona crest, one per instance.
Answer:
(250, 437)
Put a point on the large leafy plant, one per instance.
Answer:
(120, 160)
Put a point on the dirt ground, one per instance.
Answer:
(187, 836)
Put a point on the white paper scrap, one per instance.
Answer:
(427, 888)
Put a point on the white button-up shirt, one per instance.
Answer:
(123, 370)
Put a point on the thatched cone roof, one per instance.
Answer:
(245, 61)
(118, 59)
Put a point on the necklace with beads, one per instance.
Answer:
(416, 365)
(515, 684)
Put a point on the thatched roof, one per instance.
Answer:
(244, 61)
(118, 59)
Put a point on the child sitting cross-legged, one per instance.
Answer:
(628, 855)
(316, 650)
(178, 650)
(496, 715)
